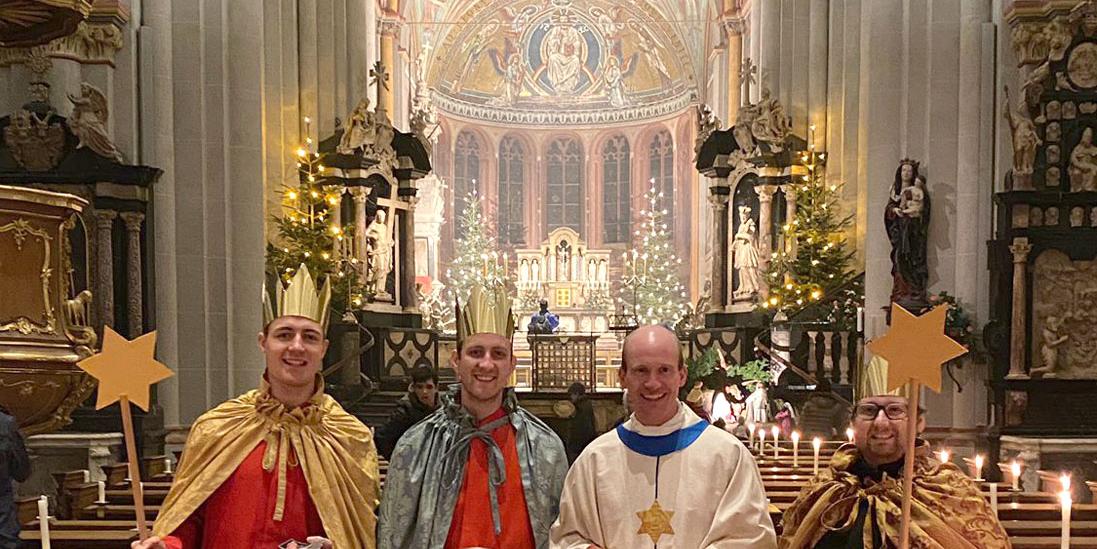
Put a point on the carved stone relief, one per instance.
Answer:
(1053, 132)
(1036, 217)
(1064, 316)
(1093, 217)
(1052, 177)
(1070, 111)
(1088, 107)
(1020, 216)
(1082, 65)
(1077, 216)
(1051, 217)
(1053, 111)
(1053, 155)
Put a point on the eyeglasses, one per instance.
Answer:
(868, 411)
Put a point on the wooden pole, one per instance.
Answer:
(134, 470)
(908, 463)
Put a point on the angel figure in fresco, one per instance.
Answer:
(89, 122)
(475, 50)
(508, 64)
(649, 47)
(517, 20)
(614, 77)
(609, 22)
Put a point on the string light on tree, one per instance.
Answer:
(309, 230)
(476, 259)
(815, 258)
(652, 280)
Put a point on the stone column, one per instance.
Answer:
(721, 286)
(410, 298)
(791, 195)
(390, 35)
(336, 219)
(765, 220)
(134, 267)
(104, 271)
(1019, 323)
(360, 194)
(734, 28)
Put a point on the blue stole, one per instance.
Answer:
(658, 446)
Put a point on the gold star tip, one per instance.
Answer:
(915, 347)
(125, 368)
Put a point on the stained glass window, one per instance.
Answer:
(564, 203)
(512, 156)
(616, 190)
(466, 172)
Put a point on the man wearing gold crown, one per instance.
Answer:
(665, 477)
(281, 466)
(857, 500)
(481, 471)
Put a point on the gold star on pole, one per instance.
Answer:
(125, 368)
(655, 522)
(915, 347)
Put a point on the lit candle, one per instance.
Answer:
(816, 444)
(776, 431)
(994, 498)
(795, 449)
(761, 442)
(1064, 481)
(1064, 500)
(944, 456)
(977, 468)
(751, 429)
(44, 521)
(849, 433)
(102, 492)
(1015, 468)
(87, 476)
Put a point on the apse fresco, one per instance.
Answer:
(546, 60)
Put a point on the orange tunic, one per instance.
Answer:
(472, 525)
(240, 512)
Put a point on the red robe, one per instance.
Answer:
(472, 525)
(240, 512)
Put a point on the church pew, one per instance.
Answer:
(80, 539)
(1040, 528)
(1052, 542)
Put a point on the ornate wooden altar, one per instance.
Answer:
(560, 360)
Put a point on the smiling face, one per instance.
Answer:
(294, 348)
(483, 365)
(652, 372)
(882, 440)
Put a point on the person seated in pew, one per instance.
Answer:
(857, 500)
(665, 477)
(281, 466)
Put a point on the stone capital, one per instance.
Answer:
(104, 219)
(765, 192)
(734, 25)
(791, 193)
(390, 25)
(133, 220)
(1020, 249)
(360, 194)
(718, 201)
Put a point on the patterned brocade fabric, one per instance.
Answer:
(947, 512)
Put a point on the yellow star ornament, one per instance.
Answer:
(915, 347)
(125, 367)
(655, 522)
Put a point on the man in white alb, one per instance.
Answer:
(665, 478)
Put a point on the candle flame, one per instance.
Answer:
(849, 433)
(1064, 480)
(1015, 468)
(796, 436)
(944, 455)
(775, 430)
(817, 442)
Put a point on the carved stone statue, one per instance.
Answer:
(744, 250)
(1025, 141)
(544, 321)
(707, 123)
(378, 255)
(358, 129)
(1083, 163)
(89, 122)
(77, 309)
(908, 234)
(1049, 349)
(35, 137)
(772, 124)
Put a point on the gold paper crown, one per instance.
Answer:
(485, 313)
(299, 298)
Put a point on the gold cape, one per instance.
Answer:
(947, 510)
(335, 450)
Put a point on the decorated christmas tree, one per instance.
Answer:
(653, 281)
(814, 259)
(309, 232)
(476, 259)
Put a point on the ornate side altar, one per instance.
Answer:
(1043, 258)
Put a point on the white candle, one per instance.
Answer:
(167, 466)
(849, 433)
(816, 444)
(977, 468)
(1064, 500)
(1064, 481)
(994, 498)
(87, 476)
(1015, 468)
(795, 449)
(761, 442)
(751, 428)
(776, 441)
(44, 521)
(102, 492)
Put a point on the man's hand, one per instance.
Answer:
(149, 543)
(314, 541)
